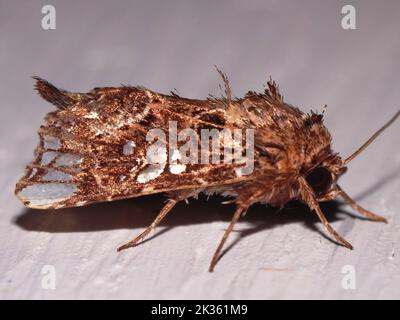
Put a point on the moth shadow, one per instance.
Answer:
(140, 212)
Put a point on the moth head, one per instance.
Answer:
(323, 177)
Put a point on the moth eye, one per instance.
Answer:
(320, 180)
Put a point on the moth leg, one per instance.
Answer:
(164, 211)
(309, 197)
(239, 211)
(368, 214)
(331, 195)
(330, 229)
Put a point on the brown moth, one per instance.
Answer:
(93, 149)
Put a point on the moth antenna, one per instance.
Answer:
(228, 91)
(370, 140)
(60, 98)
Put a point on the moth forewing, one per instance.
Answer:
(119, 158)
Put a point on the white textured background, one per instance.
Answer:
(174, 44)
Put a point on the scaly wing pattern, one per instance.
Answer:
(93, 148)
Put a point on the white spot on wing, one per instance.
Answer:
(157, 160)
(55, 175)
(50, 142)
(176, 168)
(47, 157)
(150, 173)
(91, 115)
(45, 195)
(158, 155)
(68, 160)
(128, 148)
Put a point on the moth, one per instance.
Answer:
(93, 148)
